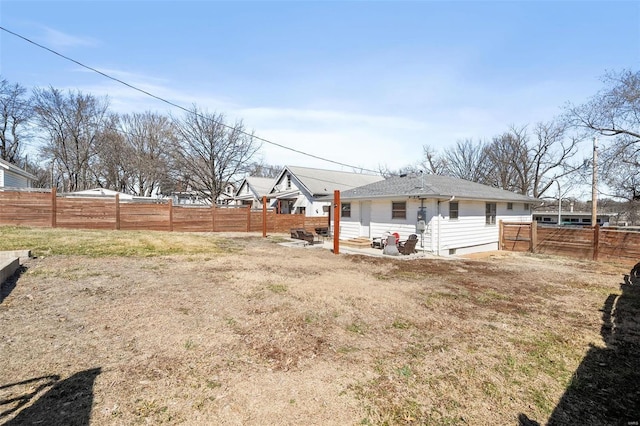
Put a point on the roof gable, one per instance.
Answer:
(324, 182)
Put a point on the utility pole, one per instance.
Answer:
(559, 204)
(594, 184)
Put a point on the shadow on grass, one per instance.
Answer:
(605, 389)
(10, 283)
(66, 402)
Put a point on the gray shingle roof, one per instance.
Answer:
(260, 185)
(324, 182)
(432, 186)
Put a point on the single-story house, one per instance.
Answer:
(12, 176)
(297, 189)
(191, 197)
(449, 215)
(104, 192)
(251, 190)
(550, 217)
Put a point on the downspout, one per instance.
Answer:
(448, 201)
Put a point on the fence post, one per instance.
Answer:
(249, 218)
(336, 222)
(170, 214)
(54, 209)
(533, 236)
(117, 211)
(264, 217)
(213, 217)
(596, 241)
(500, 235)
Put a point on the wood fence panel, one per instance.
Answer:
(284, 222)
(230, 219)
(85, 213)
(192, 219)
(256, 221)
(516, 237)
(151, 217)
(25, 208)
(622, 246)
(570, 242)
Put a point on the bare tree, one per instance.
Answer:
(432, 162)
(112, 169)
(614, 112)
(551, 155)
(259, 169)
(508, 160)
(15, 112)
(149, 138)
(211, 153)
(74, 125)
(467, 160)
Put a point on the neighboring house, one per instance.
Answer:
(227, 195)
(550, 217)
(457, 216)
(103, 192)
(12, 176)
(251, 190)
(297, 189)
(190, 197)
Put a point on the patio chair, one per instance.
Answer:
(306, 236)
(409, 246)
(322, 233)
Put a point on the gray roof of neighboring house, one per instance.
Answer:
(432, 186)
(324, 182)
(12, 167)
(261, 185)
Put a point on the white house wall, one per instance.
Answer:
(467, 234)
(13, 180)
(470, 233)
(381, 222)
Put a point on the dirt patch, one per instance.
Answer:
(276, 335)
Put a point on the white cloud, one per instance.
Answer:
(58, 40)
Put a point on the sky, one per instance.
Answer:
(364, 83)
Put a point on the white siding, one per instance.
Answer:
(350, 226)
(12, 180)
(381, 222)
(467, 234)
(470, 229)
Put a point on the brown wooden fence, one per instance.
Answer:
(49, 209)
(595, 243)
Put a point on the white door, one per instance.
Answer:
(365, 218)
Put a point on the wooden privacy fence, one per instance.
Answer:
(48, 209)
(585, 243)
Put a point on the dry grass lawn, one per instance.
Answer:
(118, 328)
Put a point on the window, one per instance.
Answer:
(398, 210)
(345, 210)
(527, 207)
(453, 210)
(490, 213)
(509, 206)
(288, 181)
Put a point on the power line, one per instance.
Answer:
(173, 104)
